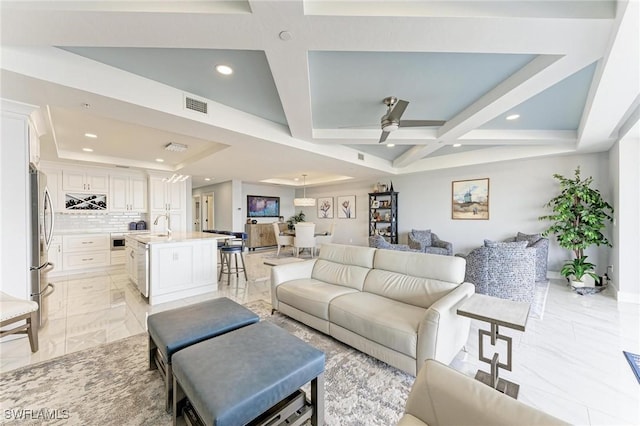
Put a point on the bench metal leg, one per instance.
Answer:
(32, 331)
(317, 400)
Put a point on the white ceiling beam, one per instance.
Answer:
(415, 153)
(616, 83)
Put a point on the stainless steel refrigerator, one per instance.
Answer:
(41, 220)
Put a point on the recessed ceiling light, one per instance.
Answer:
(224, 69)
(296, 179)
(159, 160)
(91, 135)
(513, 116)
(207, 179)
(391, 145)
(457, 145)
(87, 149)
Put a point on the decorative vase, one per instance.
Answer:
(391, 185)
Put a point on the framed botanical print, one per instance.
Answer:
(325, 208)
(470, 199)
(346, 206)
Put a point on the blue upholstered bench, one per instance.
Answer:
(247, 377)
(176, 329)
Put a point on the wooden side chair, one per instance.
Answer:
(13, 310)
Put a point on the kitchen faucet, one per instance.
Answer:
(168, 217)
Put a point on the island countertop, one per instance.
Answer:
(177, 237)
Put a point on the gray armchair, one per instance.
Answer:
(505, 270)
(378, 241)
(428, 242)
(541, 245)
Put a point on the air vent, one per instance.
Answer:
(360, 156)
(195, 105)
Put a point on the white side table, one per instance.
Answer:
(497, 312)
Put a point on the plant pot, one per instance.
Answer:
(575, 283)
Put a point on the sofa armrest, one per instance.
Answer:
(442, 396)
(287, 272)
(442, 332)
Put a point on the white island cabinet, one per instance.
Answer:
(176, 267)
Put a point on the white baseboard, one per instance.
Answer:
(625, 296)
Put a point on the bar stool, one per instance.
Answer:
(233, 248)
(13, 310)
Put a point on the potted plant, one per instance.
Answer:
(579, 216)
(577, 269)
(291, 222)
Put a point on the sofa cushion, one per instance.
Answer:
(343, 265)
(385, 321)
(529, 238)
(417, 291)
(311, 296)
(424, 265)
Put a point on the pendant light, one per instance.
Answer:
(304, 202)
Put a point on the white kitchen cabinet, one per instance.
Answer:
(182, 269)
(86, 251)
(128, 193)
(118, 257)
(82, 180)
(164, 195)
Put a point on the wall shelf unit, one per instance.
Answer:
(383, 215)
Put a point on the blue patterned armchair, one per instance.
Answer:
(428, 242)
(378, 241)
(504, 270)
(541, 245)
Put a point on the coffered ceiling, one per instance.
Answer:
(309, 78)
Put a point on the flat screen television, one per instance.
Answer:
(260, 206)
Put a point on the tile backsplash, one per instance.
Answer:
(88, 222)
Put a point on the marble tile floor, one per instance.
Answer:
(569, 364)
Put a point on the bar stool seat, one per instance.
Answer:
(233, 247)
(13, 310)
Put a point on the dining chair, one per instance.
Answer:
(282, 240)
(326, 238)
(13, 310)
(304, 238)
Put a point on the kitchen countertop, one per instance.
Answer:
(178, 237)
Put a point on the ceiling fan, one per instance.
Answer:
(391, 120)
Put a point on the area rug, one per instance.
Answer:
(539, 300)
(111, 385)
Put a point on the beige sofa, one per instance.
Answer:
(442, 396)
(399, 307)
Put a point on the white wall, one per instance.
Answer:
(625, 184)
(518, 191)
(223, 204)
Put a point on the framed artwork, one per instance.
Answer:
(346, 206)
(470, 199)
(325, 208)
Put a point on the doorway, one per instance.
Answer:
(197, 213)
(208, 215)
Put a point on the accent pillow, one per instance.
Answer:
(424, 236)
(515, 244)
(530, 238)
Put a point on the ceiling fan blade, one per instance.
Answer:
(383, 137)
(397, 110)
(421, 123)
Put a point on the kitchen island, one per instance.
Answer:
(171, 267)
